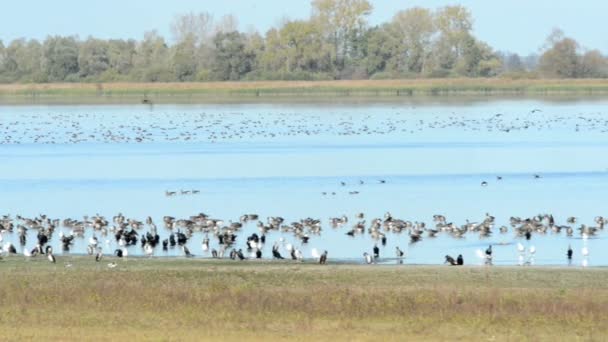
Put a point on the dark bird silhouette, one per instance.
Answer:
(98, 256)
(376, 252)
(275, 252)
(460, 260)
(450, 260)
(240, 254)
(323, 258)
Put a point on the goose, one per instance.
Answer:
(93, 241)
(460, 260)
(149, 250)
(275, 252)
(299, 255)
(99, 255)
(187, 252)
(399, 252)
(9, 248)
(368, 258)
(214, 253)
(569, 252)
(323, 258)
(240, 255)
(376, 252)
(51, 257)
(289, 247)
(27, 253)
(450, 260)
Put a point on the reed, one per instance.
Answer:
(409, 87)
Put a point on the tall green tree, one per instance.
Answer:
(152, 59)
(341, 21)
(93, 58)
(60, 58)
(232, 61)
(415, 28)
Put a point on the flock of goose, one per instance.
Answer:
(170, 125)
(223, 239)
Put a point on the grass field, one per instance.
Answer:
(167, 92)
(193, 300)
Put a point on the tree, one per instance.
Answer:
(93, 58)
(121, 54)
(151, 61)
(561, 58)
(60, 57)
(192, 27)
(228, 23)
(415, 28)
(184, 59)
(383, 50)
(231, 61)
(298, 46)
(454, 24)
(341, 21)
(593, 64)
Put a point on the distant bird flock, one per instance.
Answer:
(159, 126)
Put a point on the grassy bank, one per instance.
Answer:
(197, 300)
(166, 92)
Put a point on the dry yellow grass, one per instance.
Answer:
(195, 300)
(261, 88)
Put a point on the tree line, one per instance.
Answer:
(335, 42)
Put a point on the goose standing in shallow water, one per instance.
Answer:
(49, 254)
(450, 260)
(376, 252)
(99, 255)
(399, 253)
(323, 258)
(460, 260)
(368, 258)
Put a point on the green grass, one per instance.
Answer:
(205, 91)
(145, 299)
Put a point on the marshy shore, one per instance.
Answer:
(184, 299)
(212, 91)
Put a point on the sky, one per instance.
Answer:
(519, 26)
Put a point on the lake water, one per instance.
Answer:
(413, 160)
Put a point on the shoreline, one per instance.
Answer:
(212, 92)
(346, 263)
